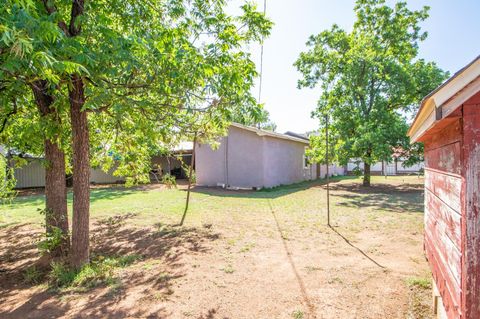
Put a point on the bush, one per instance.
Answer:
(51, 240)
(169, 180)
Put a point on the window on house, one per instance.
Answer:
(306, 160)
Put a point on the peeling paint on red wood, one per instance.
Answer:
(449, 221)
(448, 135)
(446, 158)
(446, 187)
(443, 214)
(449, 255)
(446, 288)
(471, 161)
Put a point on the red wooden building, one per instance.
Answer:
(448, 123)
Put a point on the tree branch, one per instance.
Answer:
(13, 112)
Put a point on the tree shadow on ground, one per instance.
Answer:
(404, 198)
(269, 193)
(164, 244)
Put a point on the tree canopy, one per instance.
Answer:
(109, 83)
(370, 80)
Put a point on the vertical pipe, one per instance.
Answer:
(328, 177)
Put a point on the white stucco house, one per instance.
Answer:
(251, 158)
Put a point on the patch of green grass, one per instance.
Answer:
(335, 280)
(228, 269)
(298, 314)
(419, 282)
(101, 270)
(247, 247)
(32, 275)
(313, 268)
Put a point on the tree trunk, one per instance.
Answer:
(55, 185)
(190, 173)
(81, 174)
(366, 174)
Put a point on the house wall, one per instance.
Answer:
(333, 169)
(245, 164)
(210, 164)
(391, 168)
(284, 162)
(30, 175)
(245, 160)
(97, 176)
(471, 191)
(443, 214)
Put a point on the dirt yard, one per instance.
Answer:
(266, 254)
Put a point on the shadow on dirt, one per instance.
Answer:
(162, 244)
(393, 198)
(269, 193)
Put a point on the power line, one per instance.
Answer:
(261, 57)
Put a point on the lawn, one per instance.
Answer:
(264, 254)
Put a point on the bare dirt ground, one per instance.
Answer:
(246, 255)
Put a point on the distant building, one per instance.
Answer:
(252, 158)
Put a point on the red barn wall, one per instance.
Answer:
(443, 213)
(471, 226)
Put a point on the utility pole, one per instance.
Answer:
(328, 177)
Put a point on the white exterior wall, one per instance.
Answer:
(413, 168)
(333, 169)
(391, 169)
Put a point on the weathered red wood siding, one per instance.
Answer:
(471, 227)
(443, 213)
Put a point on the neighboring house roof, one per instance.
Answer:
(297, 135)
(445, 99)
(183, 147)
(261, 132)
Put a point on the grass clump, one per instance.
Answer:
(228, 269)
(416, 282)
(32, 275)
(101, 270)
(298, 314)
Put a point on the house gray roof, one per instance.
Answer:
(261, 132)
(297, 135)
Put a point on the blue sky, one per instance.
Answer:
(454, 40)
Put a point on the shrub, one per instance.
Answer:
(169, 180)
(51, 240)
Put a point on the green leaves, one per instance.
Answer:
(369, 79)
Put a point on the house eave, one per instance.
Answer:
(445, 99)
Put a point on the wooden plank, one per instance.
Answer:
(446, 287)
(444, 218)
(449, 255)
(471, 164)
(446, 158)
(447, 188)
(461, 97)
(449, 134)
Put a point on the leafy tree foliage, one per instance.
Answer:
(370, 79)
(124, 78)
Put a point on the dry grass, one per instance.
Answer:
(264, 254)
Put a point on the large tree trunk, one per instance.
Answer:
(55, 185)
(366, 174)
(81, 174)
